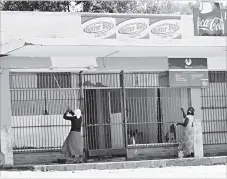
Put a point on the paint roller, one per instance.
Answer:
(55, 79)
(61, 91)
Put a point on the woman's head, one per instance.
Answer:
(191, 111)
(77, 113)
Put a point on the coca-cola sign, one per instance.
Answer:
(208, 24)
(224, 17)
(215, 24)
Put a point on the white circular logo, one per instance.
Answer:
(188, 61)
(204, 83)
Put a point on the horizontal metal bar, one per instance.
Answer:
(37, 150)
(43, 89)
(215, 132)
(225, 107)
(154, 145)
(218, 120)
(218, 96)
(14, 127)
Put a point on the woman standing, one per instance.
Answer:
(73, 145)
(188, 133)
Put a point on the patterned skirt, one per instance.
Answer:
(73, 145)
(188, 141)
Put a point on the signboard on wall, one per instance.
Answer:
(102, 27)
(188, 72)
(210, 24)
(131, 27)
(224, 17)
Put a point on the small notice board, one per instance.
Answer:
(188, 72)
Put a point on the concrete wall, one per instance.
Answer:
(152, 152)
(23, 25)
(145, 153)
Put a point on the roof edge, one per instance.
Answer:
(192, 42)
(11, 46)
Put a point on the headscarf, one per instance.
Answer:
(77, 113)
(191, 111)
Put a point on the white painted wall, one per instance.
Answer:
(24, 25)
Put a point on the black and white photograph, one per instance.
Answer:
(113, 89)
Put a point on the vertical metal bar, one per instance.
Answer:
(204, 113)
(217, 111)
(109, 119)
(221, 105)
(84, 124)
(225, 106)
(159, 116)
(123, 108)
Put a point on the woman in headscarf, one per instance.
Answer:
(188, 133)
(73, 145)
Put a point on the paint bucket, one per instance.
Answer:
(180, 154)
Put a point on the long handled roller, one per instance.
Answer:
(60, 91)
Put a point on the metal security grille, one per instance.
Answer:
(128, 109)
(37, 108)
(120, 110)
(214, 106)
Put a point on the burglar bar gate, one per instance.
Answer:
(119, 109)
(214, 106)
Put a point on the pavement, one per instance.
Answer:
(203, 161)
(215, 171)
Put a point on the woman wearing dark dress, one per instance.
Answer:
(73, 145)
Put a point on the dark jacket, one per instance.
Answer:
(75, 122)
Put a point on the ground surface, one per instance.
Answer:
(217, 171)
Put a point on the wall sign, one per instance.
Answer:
(188, 72)
(103, 27)
(131, 26)
(210, 24)
(224, 17)
(165, 29)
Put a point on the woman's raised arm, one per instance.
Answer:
(67, 117)
(184, 115)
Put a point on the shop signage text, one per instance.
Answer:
(166, 28)
(132, 27)
(188, 72)
(210, 24)
(99, 27)
(214, 24)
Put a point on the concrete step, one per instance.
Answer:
(124, 164)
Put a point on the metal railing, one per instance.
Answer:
(120, 110)
(214, 106)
